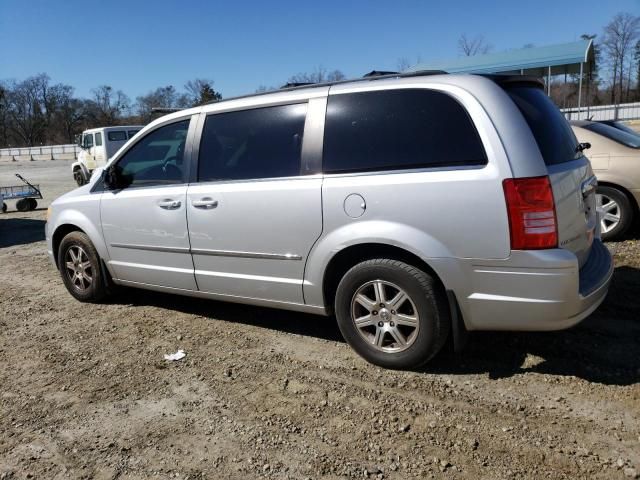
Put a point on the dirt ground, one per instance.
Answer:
(85, 391)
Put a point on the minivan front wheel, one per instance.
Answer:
(392, 313)
(80, 268)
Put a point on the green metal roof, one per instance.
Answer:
(562, 58)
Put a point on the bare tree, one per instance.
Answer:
(161, 97)
(107, 106)
(403, 64)
(319, 75)
(619, 38)
(201, 91)
(25, 111)
(473, 46)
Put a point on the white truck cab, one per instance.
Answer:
(98, 146)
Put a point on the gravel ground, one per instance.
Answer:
(85, 392)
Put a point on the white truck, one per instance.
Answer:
(98, 146)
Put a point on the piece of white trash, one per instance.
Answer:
(179, 355)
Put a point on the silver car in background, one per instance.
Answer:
(409, 206)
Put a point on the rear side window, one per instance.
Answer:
(98, 139)
(252, 144)
(631, 140)
(398, 129)
(117, 136)
(132, 133)
(552, 132)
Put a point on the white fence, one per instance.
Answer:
(51, 152)
(623, 111)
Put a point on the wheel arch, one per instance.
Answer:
(75, 221)
(350, 256)
(59, 233)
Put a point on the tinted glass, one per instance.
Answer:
(552, 132)
(98, 139)
(88, 140)
(631, 140)
(132, 133)
(157, 158)
(397, 129)
(257, 143)
(117, 136)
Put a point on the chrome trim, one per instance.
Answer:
(204, 251)
(231, 253)
(151, 248)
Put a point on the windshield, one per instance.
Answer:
(631, 140)
(552, 132)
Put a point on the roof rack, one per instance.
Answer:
(166, 109)
(378, 73)
(297, 84)
(381, 76)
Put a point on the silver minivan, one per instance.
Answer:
(410, 206)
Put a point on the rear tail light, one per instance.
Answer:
(532, 213)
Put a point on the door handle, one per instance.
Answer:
(169, 204)
(205, 203)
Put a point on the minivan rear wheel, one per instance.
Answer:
(617, 214)
(392, 313)
(80, 268)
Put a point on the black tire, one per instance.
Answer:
(79, 177)
(623, 209)
(427, 301)
(93, 291)
(4, 207)
(23, 204)
(33, 203)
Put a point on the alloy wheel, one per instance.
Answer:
(78, 268)
(385, 316)
(610, 213)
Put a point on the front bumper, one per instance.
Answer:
(49, 241)
(534, 290)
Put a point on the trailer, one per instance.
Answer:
(27, 195)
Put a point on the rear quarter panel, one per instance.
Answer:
(434, 213)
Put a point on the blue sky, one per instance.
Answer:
(137, 46)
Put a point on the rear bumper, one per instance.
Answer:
(534, 290)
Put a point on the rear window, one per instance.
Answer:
(552, 132)
(398, 129)
(631, 140)
(117, 136)
(132, 133)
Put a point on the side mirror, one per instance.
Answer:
(111, 178)
(583, 146)
(114, 179)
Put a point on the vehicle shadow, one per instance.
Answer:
(270, 318)
(604, 348)
(20, 231)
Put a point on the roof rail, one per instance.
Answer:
(378, 73)
(382, 75)
(166, 109)
(297, 84)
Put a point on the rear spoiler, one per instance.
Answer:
(506, 81)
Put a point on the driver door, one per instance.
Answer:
(144, 221)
